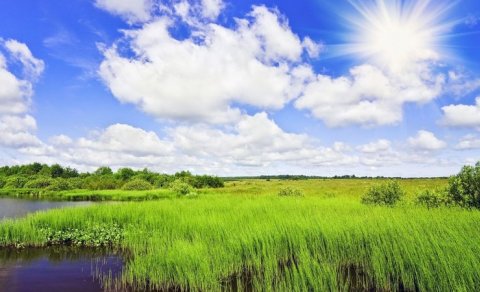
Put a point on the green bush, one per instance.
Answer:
(181, 188)
(290, 192)
(3, 182)
(15, 182)
(137, 185)
(432, 199)
(464, 188)
(60, 185)
(39, 183)
(101, 182)
(388, 194)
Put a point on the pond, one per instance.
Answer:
(14, 208)
(57, 269)
(52, 269)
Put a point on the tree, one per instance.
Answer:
(464, 188)
(103, 170)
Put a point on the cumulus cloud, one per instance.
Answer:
(200, 78)
(368, 95)
(16, 126)
(461, 115)
(131, 10)
(427, 141)
(32, 66)
(375, 146)
(468, 142)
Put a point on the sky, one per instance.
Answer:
(372, 87)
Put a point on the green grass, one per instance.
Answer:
(326, 188)
(324, 241)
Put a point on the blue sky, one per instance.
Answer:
(242, 87)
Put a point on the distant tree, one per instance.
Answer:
(103, 170)
(125, 173)
(464, 188)
(56, 171)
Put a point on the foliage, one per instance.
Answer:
(464, 188)
(15, 182)
(290, 192)
(181, 188)
(93, 236)
(125, 174)
(137, 184)
(388, 194)
(39, 183)
(432, 199)
(103, 171)
(60, 184)
(101, 182)
(3, 182)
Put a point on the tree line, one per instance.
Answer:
(56, 177)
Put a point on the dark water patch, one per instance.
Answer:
(58, 269)
(15, 208)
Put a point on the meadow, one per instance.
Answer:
(246, 237)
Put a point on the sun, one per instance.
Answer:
(395, 33)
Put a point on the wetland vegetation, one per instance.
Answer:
(276, 234)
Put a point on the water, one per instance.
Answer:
(52, 269)
(14, 208)
(57, 269)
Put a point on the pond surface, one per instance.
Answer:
(57, 269)
(52, 269)
(14, 208)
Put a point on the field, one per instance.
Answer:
(245, 236)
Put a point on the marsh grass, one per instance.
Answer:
(226, 242)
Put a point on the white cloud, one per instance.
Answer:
(201, 77)
(461, 115)
(313, 49)
(32, 66)
(375, 146)
(131, 10)
(16, 126)
(425, 140)
(369, 96)
(468, 142)
(211, 8)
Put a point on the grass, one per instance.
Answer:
(326, 188)
(324, 241)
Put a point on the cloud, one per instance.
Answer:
(468, 142)
(376, 146)
(368, 96)
(202, 77)
(211, 8)
(16, 126)
(131, 10)
(425, 140)
(32, 66)
(462, 115)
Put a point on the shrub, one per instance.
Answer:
(431, 199)
(101, 182)
(76, 183)
(206, 181)
(181, 188)
(39, 183)
(138, 185)
(464, 188)
(60, 185)
(3, 182)
(388, 194)
(15, 182)
(290, 192)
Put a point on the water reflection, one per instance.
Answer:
(57, 269)
(14, 208)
